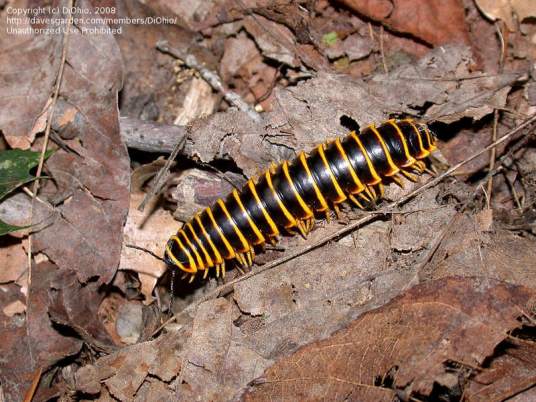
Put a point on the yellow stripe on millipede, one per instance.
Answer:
(319, 196)
(410, 159)
(355, 177)
(423, 151)
(198, 241)
(271, 223)
(194, 249)
(217, 254)
(393, 169)
(372, 171)
(338, 188)
(243, 240)
(302, 203)
(230, 249)
(254, 227)
(193, 267)
(288, 215)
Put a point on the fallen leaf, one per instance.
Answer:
(510, 374)
(505, 9)
(87, 234)
(436, 22)
(16, 307)
(29, 66)
(275, 40)
(408, 341)
(124, 371)
(13, 260)
(145, 235)
(215, 364)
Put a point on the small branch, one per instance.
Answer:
(493, 152)
(212, 78)
(150, 136)
(162, 175)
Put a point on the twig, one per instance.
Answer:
(349, 228)
(382, 53)
(150, 136)
(212, 78)
(493, 152)
(35, 187)
(162, 175)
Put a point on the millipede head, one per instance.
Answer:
(176, 256)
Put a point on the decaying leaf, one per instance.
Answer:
(506, 9)
(145, 235)
(86, 236)
(434, 21)
(26, 84)
(457, 320)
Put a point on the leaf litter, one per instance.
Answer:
(429, 300)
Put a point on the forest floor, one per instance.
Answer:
(428, 296)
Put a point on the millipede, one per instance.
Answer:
(287, 197)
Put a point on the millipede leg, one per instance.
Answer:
(355, 201)
(183, 277)
(396, 178)
(431, 171)
(205, 274)
(249, 258)
(223, 269)
(410, 176)
(192, 277)
(381, 189)
(337, 210)
(301, 229)
(374, 196)
(217, 271)
(419, 166)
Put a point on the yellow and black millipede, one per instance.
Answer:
(287, 197)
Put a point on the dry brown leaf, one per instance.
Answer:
(436, 22)
(16, 307)
(467, 250)
(13, 259)
(216, 363)
(87, 234)
(29, 66)
(149, 231)
(509, 373)
(505, 9)
(275, 40)
(125, 371)
(409, 341)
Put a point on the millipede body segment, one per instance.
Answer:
(286, 197)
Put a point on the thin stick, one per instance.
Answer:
(493, 152)
(212, 78)
(382, 53)
(349, 228)
(35, 187)
(162, 175)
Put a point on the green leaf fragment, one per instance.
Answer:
(15, 166)
(330, 38)
(6, 228)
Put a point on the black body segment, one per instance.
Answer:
(287, 197)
